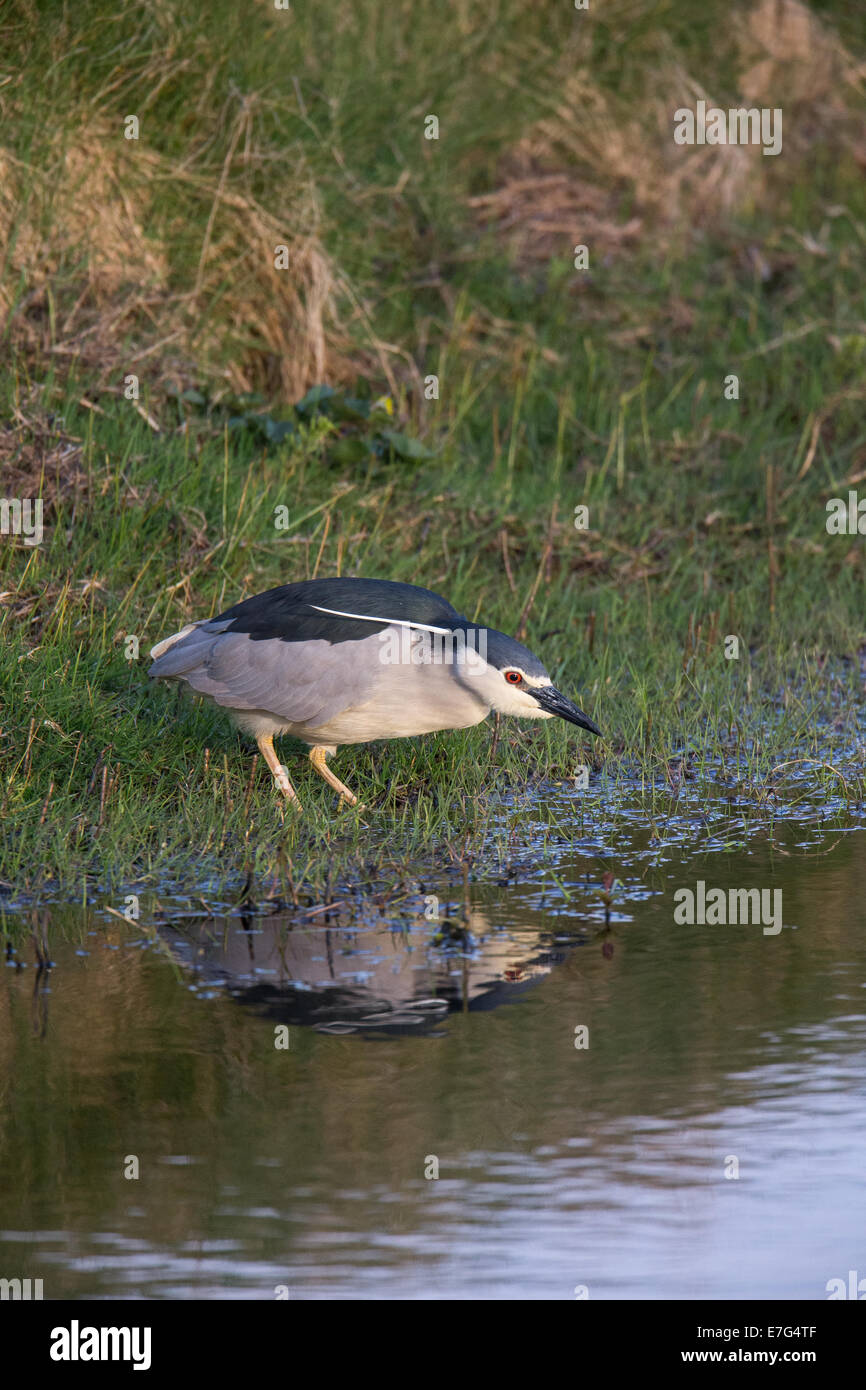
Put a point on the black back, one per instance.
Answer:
(288, 614)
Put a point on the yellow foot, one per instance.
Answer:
(318, 758)
(278, 772)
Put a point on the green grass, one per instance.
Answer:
(706, 515)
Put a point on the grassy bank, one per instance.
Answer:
(558, 389)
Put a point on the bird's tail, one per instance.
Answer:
(183, 651)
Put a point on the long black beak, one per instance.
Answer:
(551, 700)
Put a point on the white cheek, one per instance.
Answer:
(475, 673)
(512, 700)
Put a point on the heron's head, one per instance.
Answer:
(513, 681)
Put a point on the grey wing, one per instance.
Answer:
(302, 682)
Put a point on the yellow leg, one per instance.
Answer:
(280, 776)
(317, 758)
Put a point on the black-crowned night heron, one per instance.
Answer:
(335, 661)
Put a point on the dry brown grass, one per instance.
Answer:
(92, 274)
(39, 458)
(593, 172)
(119, 258)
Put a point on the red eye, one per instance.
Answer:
(513, 677)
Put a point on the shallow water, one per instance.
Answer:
(560, 1168)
